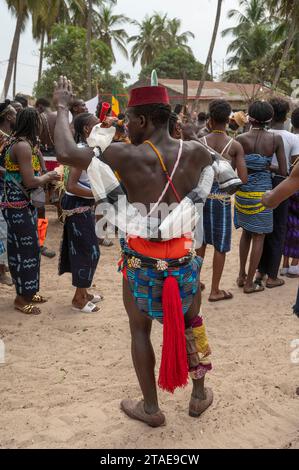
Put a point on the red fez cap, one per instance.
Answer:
(148, 95)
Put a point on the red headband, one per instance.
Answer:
(148, 95)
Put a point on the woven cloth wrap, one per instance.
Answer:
(146, 277)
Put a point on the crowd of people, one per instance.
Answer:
(161, 276)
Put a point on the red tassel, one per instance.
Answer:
(174, 365)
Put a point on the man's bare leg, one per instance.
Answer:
(243, 255)
(201, 252)
(142, 351)
(198, 389)
(80, 299)
(255, 256)
(218, 266)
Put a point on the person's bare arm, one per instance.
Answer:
(73, 186)
(22, 153)
(281, 158)
(239, 160)
(283, 191)
(67, 151)
(42, 162)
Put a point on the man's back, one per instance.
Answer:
(142, 174)
(48, 120)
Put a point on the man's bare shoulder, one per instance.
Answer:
(198, 152)
(120, 152)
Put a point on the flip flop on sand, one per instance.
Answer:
(280, 282)
(89, 307)
(39, 299)
(29, 309)
(254, 289)
(135, 410)
(224, 296)
(197, 406)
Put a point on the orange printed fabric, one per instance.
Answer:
(170, 249)
(42, 226)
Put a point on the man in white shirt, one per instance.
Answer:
(274, 242)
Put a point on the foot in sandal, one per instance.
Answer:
(272, 283)
(221, 295)
(95, 298)
(253, 289)
(198, 405)
(89, 307)
(26, 306)
(135, 410)
(39, 299)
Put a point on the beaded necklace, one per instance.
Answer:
(216, 131)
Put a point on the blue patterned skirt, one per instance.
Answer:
(79, 253)
(146, 282)
(23, 250)
(217, 220)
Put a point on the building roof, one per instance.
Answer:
(214, 90)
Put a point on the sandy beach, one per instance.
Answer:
(65, 373)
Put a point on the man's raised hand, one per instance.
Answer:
(63, 92)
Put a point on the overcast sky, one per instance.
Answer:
(197, 16)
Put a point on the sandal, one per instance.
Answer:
(29, 309)
(254, 289)
(96, 298)
(197, 406)
(39, 299)
(279, 284)
(135, 410)
(89, 307)
(225, 296)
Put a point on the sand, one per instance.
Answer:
(65, 373)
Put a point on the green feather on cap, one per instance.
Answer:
(154, 78)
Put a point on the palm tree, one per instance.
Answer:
(209, 58)
(175, 38)
(19, 8)
(109, 32)
(251, 34)
(155, 34)
(146, 43)
(46, 15)
(288, 12)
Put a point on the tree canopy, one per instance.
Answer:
(172, 63)
(66, 55)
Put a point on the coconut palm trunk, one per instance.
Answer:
(13, 54)
(286, 52)
(209, 58)
(88, 46)
(14, 86)
(41, 56)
